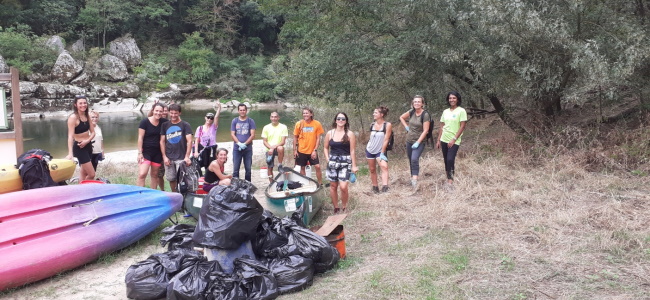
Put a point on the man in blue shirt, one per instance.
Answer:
(242, 131)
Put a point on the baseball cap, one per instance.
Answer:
(209, 115)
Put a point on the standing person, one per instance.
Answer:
(98, 141)
(206, 134)
(339, 149)
(376, 150)
(161, 170)
(274, 136)
(452, 124)
(307, 134)
(215, 175)
(150, 157)
(242, 131)
(417, 128)
(175, 144)
(81, 132)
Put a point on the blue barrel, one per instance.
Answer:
(226, 258)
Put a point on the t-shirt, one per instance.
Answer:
(151, 133)
(98, 147)
(307, 135)
(243, 128)
(207, 137)
(274, 134)
(176, 139)
(452, 121)
(416, 127)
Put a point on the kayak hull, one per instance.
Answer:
(10, 181)
(50, 230)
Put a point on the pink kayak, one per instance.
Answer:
(46, 231)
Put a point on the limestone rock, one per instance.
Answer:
(58, 91)
(66, 68)
(129, 90)
(56, 43)
(126, 49)
(3, 65)
(115, 91)
(248, 105)
(27, 89)
(121, 104)
(110, 68)
(38, 77)
(78, 46)
(81, 80)
(103, 91)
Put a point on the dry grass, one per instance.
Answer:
(523, 222)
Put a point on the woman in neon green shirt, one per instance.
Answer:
(452, 124)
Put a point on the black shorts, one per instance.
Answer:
(271, 164)
(303, 159)
(84, 154)
(152, 155)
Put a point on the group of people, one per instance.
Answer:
(165, 142)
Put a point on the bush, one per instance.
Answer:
(25, 51)
(198, 58)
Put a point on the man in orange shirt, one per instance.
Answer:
(307, 135)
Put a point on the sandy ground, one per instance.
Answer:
(104, 279)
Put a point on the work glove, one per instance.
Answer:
(353, 177)
(242, 146)
(383, 157)
(407, 128)
(415, 145)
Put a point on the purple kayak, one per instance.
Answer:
(49, 230)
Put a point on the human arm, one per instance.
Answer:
(72, 120)
(188, 149)
(217, 111)
(163, 140)
(458, 134)
(326, 149)
(389, 132)
(353, 144)
(442, 125)
(140, 144)
(251, 137)
(216, 169)
(403, 119)
(314, 153)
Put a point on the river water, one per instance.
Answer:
(121, 129)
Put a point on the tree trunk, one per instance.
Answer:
(507, 119)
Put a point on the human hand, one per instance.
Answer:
(355, 169)
(383, 157)
(68, 157)
(438, 145)
(407, 128)
(167, 161)
(187, 161)
(451, 143)
(415, 145)
(314, 155)
(295, 153)
(196, 154)
(82, 144)
(242, 146)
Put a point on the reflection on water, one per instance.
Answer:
(121, 129)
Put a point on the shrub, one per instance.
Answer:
(25, 51)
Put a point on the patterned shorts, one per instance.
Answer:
(339, 168)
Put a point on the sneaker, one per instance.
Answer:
(414, 182)
(280, 168)
(337, 210)
(384, 189)
(375, 189)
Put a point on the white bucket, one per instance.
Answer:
(264, 173)
(307, 170)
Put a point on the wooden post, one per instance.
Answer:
(16, 105)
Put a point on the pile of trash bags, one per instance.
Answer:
(286, 254)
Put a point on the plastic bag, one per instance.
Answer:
(256, 279)
(192, 282)
(230, 217)
(224, 286)
(293, 273)
(306, 243)
(270, 235)
(178, 237)
(148, 279)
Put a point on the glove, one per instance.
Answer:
(415, 145)
(383, 157)
(353, 177)
(242, 146)
(407, 129)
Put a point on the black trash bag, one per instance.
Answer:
(230, 217)
(148, 279)
(192, 283)
(293, 273)
(178, 237)
(306, 243)
(226, 287)
(256, 279)
(270, 235)
(291, 185)
(296, 216)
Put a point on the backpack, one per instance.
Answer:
(187, 177)
(430, 132)
(391, 140)
(34, 169)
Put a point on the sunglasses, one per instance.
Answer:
(341, 119)
(211, 118)
(80, 97)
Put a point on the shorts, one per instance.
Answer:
(171, 170)
(374, 156)
(153, 155)
(303, 159)
(271, 164)
(84, 154)
(151, 163)
(339, 168)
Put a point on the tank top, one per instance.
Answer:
(376, 141)
(82, 127)
(211, 177)
(338, 148)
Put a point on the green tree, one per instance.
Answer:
(25, 51)
(198, 58)
(217, 22)
(102, 17)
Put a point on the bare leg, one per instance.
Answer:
(143, 170)
(154, 176)
(280, 154)
(384, 172)
(318, 174)
(344, 194)
(372, 167)
(334, 195)
(270, 173)
(173, 185)
(87, 172)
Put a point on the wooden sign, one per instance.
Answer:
(4, 124)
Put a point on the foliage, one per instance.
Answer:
(23, 50)
(198, 58)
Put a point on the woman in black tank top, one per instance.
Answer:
(80, 134)
(341, 164)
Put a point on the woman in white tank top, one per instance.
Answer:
(380, 133)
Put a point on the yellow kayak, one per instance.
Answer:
(60, 170)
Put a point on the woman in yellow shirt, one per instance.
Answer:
(452, 125)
